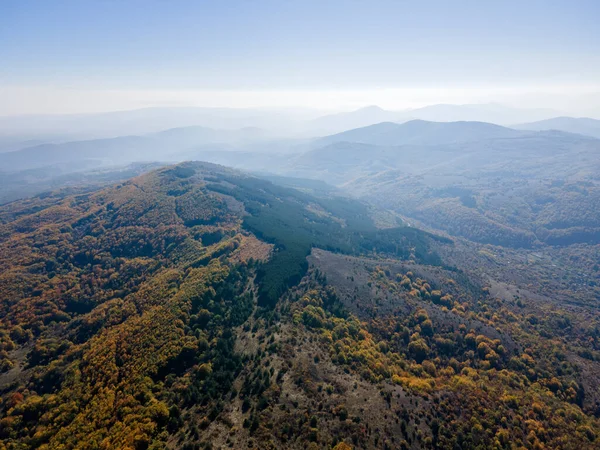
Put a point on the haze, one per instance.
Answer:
(82, 57)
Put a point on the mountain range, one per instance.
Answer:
(23, 131)
(582, 125)
(126, 149)
(492, 113)
(487, 183)
(421, 132)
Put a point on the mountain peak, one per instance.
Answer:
(371, 108)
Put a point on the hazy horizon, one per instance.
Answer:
(72, 57)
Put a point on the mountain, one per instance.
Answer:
(490, 112)
(339, 162)
(195, 306)
(126, 149)
(371, 115)
(581, 125)
(18, 142)
(487, 183)
(16, 131)
(420, 132)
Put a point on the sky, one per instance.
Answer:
(100, 55)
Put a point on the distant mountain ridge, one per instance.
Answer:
(421, 132)
(16, 131)
(488, 112)
(370, 115)
(149, 120)
(464, 177)
(577, 125)
(126, 149)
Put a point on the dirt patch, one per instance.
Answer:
(19, 359)
(252, 248)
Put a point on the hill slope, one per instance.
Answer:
(519, 189)
(196, 307)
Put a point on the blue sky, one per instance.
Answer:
(297, 45)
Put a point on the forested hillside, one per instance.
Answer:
(120, 307)
(179, 310)
(196, 307)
